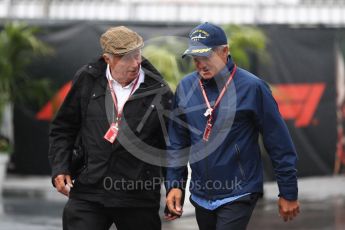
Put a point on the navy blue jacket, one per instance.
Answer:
(229, 163)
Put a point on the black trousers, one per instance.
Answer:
(233, 216)
(85, 215)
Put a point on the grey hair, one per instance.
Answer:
(220, 47)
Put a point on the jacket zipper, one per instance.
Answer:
(239, 162)
(207, 178)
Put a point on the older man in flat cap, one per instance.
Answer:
(113, 117)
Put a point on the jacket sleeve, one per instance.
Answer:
(277, 141)
(178, 148)
(64, 129)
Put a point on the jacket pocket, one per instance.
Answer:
(96, 106)
(151, 172)
(127, 167)
(144, 119)
(152, 177)
(139, 115)
(238, 159)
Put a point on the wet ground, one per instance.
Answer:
(325, 215)
(322, 208)
(38, 214)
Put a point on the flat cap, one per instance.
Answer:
(120, 40)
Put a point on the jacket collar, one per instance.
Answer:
(153, 79)
(97, 70)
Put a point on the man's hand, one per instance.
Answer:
(63, 183)
(173, 202)
(288, 209)
(168, 215)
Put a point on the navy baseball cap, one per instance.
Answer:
(203, 38)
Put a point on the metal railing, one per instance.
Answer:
(331, 12)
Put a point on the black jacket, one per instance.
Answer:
(115, 174)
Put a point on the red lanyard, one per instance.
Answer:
(209, 111)
(113, 131)
(112, 91)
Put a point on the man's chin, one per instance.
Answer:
(207, 75)
(133, 74)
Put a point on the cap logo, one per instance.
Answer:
(199, 35)
(200, 51)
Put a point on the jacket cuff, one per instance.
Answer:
(56, 172)
(176, 178)
(170, 184)
(288, 192)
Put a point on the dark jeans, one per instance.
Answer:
(233, 216)
(85, 215)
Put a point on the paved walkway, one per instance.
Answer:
(31, 203)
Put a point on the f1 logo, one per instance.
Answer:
(298, 101)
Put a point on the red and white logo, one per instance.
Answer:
(298, 101)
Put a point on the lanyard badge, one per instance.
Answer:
(207, 131)
(209, 111)
(112, 132)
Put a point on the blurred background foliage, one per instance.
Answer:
(19, 46)
(245, 43)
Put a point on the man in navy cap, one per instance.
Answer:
(219, 111)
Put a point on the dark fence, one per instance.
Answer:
(301, 71)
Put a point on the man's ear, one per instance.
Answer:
(106, 58)
(226, 51)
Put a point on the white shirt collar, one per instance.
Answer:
(122, 93)
(113, 81)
